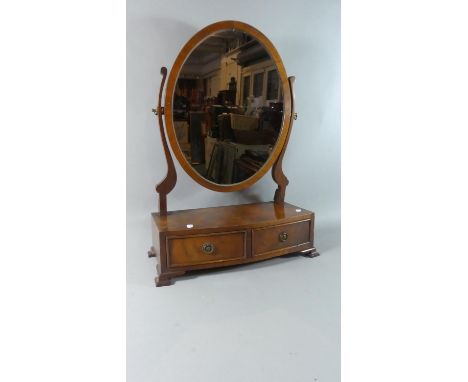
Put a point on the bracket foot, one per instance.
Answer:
(311, 253)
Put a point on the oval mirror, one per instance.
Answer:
(227, 106)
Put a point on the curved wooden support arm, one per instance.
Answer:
(277, 170)
(169, 182)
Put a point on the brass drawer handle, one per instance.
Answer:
(208, 248)
(283, 236)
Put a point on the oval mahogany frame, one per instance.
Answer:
(172, 82)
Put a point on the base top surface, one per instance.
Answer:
(236, 216)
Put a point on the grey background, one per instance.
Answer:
(275, 320)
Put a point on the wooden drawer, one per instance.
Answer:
(280, 237)
(206, 249)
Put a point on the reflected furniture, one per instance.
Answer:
(212, 109)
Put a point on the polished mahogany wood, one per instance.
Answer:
(271, 239)
(169, 182)
(238, 217)
(222, 236)
(172, 84)
(204, 249)
(277, 170)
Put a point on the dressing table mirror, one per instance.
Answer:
(228, 114)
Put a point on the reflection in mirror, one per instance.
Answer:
(228, 107)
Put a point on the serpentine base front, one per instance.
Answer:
(223, 236)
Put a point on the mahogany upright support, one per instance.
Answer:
(277, 169)
(169, 182)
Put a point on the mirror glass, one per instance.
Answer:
(228, 107)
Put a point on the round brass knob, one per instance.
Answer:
(283, 236)
(208, 248)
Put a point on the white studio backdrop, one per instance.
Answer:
(307, 36)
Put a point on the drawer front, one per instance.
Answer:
(206, 249)
(276, 238)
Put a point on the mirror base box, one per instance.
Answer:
(214, 237)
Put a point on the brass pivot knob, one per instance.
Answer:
(158, 110)
(208, 248)
(283, 236)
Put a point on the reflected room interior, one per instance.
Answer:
(228, 107)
